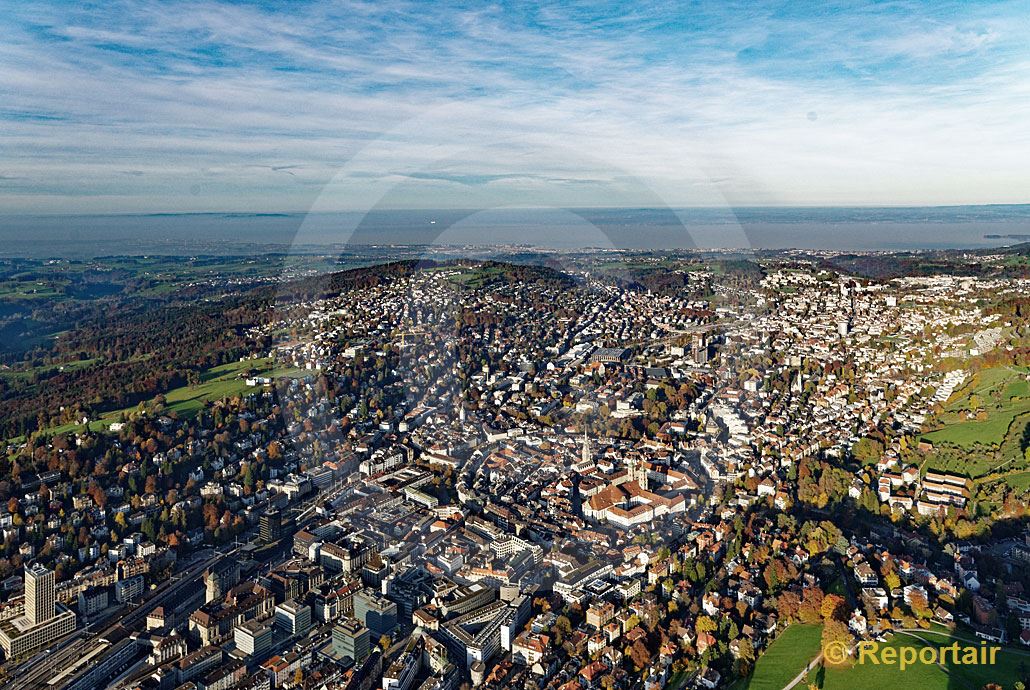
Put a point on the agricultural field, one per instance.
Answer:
(985, 425)
(85, 289)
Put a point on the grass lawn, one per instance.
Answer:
(867, 676)
(963, 462)
(983, 384)
(989, 431)
(476, 277)
(222, 382)
(993, 445)
(46, 369)
(789, 653)
(1005, 672)
(677, 680)
(28, 291)
(1019, 481)
(217, 383)
(1004, 394)
(1017, 389)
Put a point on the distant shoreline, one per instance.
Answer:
(657, 229)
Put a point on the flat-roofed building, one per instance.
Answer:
(39, 593)
(253, 638)
(270, 526)
(378, 614)
(293, 618)
(351, 638)
(42, 619)
(610, 355)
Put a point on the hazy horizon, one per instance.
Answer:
(816, 228)
(295, 212)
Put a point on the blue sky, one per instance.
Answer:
(199, 106)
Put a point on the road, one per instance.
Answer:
(36, 673)
(801, 676)
(41, 668)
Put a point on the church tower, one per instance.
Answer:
(637, 472)
(212, 588)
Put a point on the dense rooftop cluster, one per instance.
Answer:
(506, 476)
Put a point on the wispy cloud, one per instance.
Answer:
(152, 106)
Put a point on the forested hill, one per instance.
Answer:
(135, 351)
(1008, 262)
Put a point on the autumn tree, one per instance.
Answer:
(835, 637)
(810, 610)
(639, 655)
(918, 604)
(833, 607)
(788, 605)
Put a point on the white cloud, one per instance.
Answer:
(561, 108)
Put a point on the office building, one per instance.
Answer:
(270, 526)
(292, 618)
(377, 614)
(40, 594)
(253, 638)
(42, 620)
(351, 638)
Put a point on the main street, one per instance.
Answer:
(40, 671)
(51, 668)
